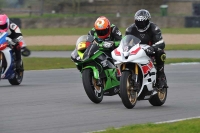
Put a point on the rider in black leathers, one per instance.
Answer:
(149, 33)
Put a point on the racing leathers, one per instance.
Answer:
(153, 37)
(16, 37)
(115, 36)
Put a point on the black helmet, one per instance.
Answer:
(142, 18)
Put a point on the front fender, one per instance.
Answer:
(95, 71)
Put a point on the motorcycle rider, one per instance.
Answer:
(15, 34)
(149, 33)
(104, 31)
(107, 35)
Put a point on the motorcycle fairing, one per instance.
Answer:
(8, 72)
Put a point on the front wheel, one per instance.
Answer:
(18, 77)
(127, 93)
(159, 98)
(94, 92)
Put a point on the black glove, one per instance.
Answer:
(150, 50)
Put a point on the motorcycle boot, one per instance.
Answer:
(17, 50)
(161, 80)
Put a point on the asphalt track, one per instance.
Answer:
(170, 54)
(54, 101)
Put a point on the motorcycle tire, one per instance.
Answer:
(127, 94)
(94, 92)
(159, 98)
(18, 77)
(25, 52)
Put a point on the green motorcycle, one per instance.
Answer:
(99, 74)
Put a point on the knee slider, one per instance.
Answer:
(163, 57)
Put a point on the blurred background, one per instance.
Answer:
(83, 13)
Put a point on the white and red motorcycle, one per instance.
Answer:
(138, 79)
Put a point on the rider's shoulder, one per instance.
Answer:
(154, 28)
(13, 26)
(91, 32)
(130, 28)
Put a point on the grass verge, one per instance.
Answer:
(32, 63)
(83, 31)
(187, 126)
(71, 47)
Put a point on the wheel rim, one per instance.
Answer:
(162, 94)
(19, 76)
(97, 89)
(132, 95)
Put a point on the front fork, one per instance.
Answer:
(134, 78)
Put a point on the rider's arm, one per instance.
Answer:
(116, 35)
(91, 32)
(157, 39)
(16, 33)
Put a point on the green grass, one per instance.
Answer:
(182, 47)
(83, 31)
(63, 15)
(187, 126)
(52, 48)
(31, 63)
(71, 47)
(180, 30)
(55, 31)
(47, 63)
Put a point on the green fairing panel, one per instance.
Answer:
(95, 71)
(111, 79)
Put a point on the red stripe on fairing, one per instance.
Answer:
(135, 51)
(117, 53)
(146, 68)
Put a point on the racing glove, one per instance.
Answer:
(150, 50)
(106, 44)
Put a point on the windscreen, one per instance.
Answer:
(84, 38)
(128, 42)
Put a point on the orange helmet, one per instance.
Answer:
(102, 27)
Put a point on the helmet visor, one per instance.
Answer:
(3, 27)
(102, 32)
(142, 25)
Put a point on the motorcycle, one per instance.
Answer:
(8, 62)
(138, 79)
(99, 74)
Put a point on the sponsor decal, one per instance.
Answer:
(163, 57)
(147, 67)
(119, 33)
(13, 26)
(142, 35)
(100, 23)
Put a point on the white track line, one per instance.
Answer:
(170, 121)
(176, 120)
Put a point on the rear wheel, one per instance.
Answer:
(159, 98)
(127, 93)
(94, 92)
(18, 77)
